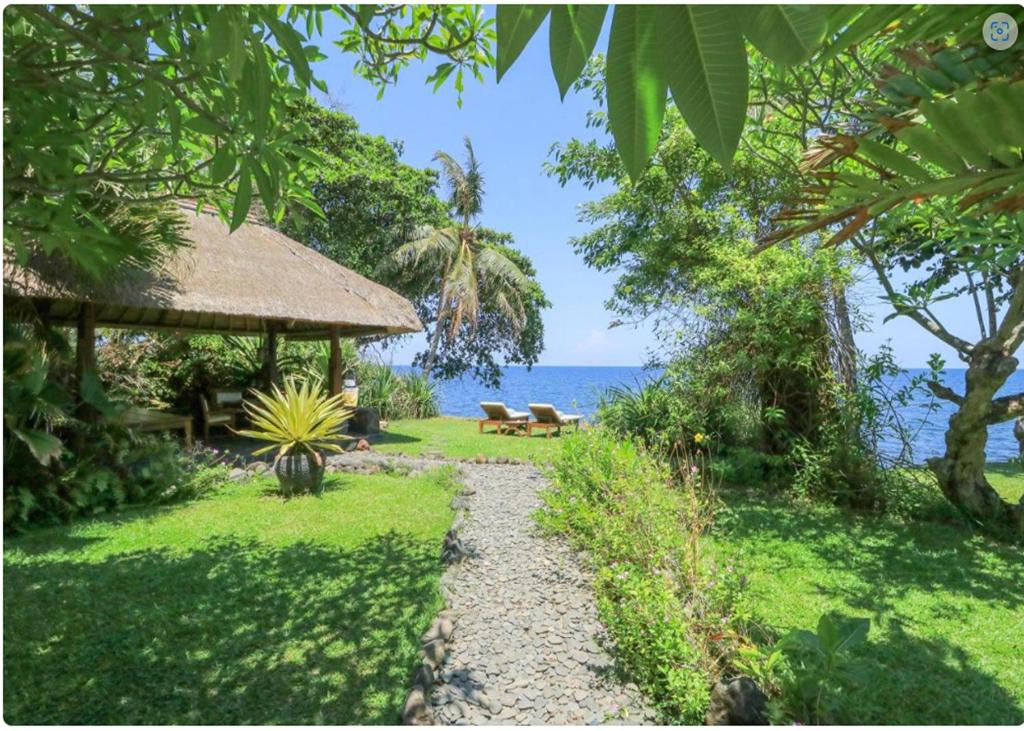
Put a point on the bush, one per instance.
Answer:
(394, 396)
(102, 468)
(675, 617)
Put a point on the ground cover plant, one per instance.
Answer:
(460, 439)
(941, 598)
(243, 608)
(675, 618)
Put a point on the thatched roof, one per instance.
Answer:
(222, 283)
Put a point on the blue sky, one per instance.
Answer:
(513, 126)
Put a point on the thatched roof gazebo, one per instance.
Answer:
(253, 281)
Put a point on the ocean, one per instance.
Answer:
(576, 389)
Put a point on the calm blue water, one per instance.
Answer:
(577, 389)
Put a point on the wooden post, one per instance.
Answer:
(334, 367)
(270, 355)
(85, 356)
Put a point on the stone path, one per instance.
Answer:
(527, 647)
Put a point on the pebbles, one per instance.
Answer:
(526, 647)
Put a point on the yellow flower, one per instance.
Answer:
(698, 438)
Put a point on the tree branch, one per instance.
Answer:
(1005, 408)
(928, 323)
(945, 393)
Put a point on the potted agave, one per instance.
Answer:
(300, 422)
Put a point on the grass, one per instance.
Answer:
(460, 439)
(243, 608)
(946, 604)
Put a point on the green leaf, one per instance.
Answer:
(702, 52)
(787, 34)
(237, 55)
(222, 165)
(204, 126)
(636, 87)
(893, 160)
(291, 42)
(93, 393)
(573, 34)
(931, 147)
(243, 198)
(516, 26)
(44, 446)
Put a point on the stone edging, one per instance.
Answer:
(416, 711)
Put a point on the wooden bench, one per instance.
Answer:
(151, 420)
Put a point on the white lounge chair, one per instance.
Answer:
(502, 417)
(549, 418)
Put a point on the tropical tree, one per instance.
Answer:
(466, 270)
(141, 104)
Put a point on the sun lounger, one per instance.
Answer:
(502, 418)
(549, 418)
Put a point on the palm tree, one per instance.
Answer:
(470, 270)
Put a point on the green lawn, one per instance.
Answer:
(946, 604)
(243, 608)
(460, 438)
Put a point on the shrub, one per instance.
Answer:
(394, 396)
(102, 468)
(674, 617)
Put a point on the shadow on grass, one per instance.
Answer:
(888, 557)
(237, 632)
(1006, 469)
(873, 564)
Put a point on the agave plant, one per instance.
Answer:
(300, 422)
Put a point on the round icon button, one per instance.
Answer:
(999, 31)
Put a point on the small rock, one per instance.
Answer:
(737, 703)
(362, 445)
(423, 677)
(257, 468)
(433, 653)
(416, 712)
(481, 459)
(237, 474)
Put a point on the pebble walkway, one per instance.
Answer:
(527, 647)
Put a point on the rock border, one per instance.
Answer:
(433, 646)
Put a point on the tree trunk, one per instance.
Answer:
(961, 470)
(435, 340)
(847, 347)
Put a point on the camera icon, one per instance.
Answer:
(999, 31)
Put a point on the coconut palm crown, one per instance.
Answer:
(470, 271)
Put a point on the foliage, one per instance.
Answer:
(396, 396)
(227, 587)
(674, 616)
(699, 53)
(103, 468)
(302, 418)
(372, 202)
(467, 274)
(135, 105)
(389, 37)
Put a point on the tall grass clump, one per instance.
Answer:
(394, 396)
(674, 616)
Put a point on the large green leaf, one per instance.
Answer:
(702, 52)
(574, 32)
(786, 34)
(43, 445)
(636, 86)
(516, 26)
